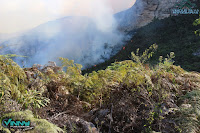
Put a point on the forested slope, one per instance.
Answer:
(175, 34)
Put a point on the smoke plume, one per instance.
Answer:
(88, 40)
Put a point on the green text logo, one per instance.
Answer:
(9, 123)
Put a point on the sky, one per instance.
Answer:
(21, 15)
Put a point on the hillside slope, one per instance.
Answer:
(170, 34)
(127, 97)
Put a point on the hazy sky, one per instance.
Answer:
(20, 15)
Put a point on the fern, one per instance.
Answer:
(13, 83)
(145, 56)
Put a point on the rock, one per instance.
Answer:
(73, 123)
(186, 106)
(87, 126)
(144, 12)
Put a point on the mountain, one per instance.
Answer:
(129, 96)
(144, 12)
(77, 38)
(81, 38)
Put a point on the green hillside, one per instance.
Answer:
(126, 97)
(175, 34)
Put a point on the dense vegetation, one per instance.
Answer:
(175, 34)
(128, 96)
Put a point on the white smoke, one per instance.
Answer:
(18, 15)
(87, 40)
